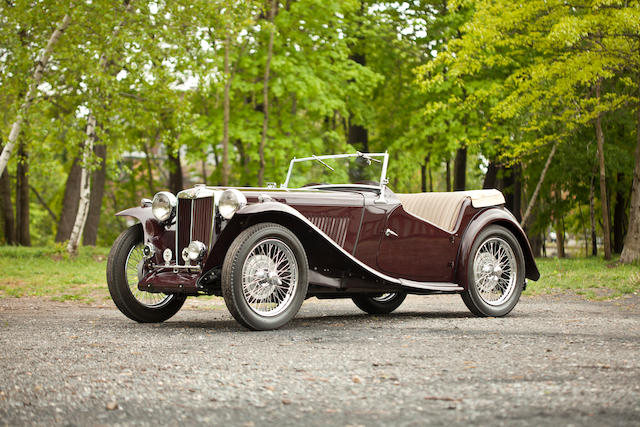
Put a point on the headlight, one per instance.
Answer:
(230, 201)
(164, 205)
(195, 251)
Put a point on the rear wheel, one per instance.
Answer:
(381, 304)
(124, 271)
(495, 274)
(264, 276)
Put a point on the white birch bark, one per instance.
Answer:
(41, 64)
(85, 188)
(85, 177)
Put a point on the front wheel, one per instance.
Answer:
(495, 273)
(264, 276)
(381, 304)
(124, 271)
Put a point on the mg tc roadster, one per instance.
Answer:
(333, 229)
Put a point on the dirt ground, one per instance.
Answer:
(555, 360)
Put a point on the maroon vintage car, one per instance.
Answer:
(333, 230)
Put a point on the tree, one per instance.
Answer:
(38, 72)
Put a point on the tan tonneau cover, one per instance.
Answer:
(443, 209)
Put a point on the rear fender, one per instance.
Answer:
(493, 216)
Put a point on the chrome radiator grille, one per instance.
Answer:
(194, 222)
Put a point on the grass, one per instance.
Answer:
(592, 277)
(49, 272)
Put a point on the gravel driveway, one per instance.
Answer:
(555, 360)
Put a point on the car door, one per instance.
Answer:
(412, 248)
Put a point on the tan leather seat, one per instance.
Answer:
(443, 209)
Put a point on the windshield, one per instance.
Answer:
(339, 169)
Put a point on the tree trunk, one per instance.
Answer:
(225, 122)
(69, 202)
(534, 196)
(44, 204)
(147, 155)
(41, 64)
(517, 192)
(619, 216)
(460, 170)
(23, 236)
(592, 214)
(8, 220)
(7, 209)
(175, 172)
(560, 238)
(98, 179)
(448, 175)
(606, 230)
(85, 189)
(358, 135)
(265, 94)
(423, 170)
(631, 249)
(491, 176)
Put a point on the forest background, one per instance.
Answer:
(103, 103)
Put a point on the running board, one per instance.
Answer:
(432, 286)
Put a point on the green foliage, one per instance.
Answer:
(424, 78)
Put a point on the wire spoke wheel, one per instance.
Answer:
(383, 303)
(265, 276)
(133, 274)
(269, 277)
(495, 271)
(125, 269)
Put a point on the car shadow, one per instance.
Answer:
(302, 320)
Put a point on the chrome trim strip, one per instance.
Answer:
(431, 286)
(191, 223)
(177, 233)
(175, 267)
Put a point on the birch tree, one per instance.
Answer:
(85, 188)
(41, 65)
(85, 179)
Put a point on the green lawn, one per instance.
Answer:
(50, 273)
(591, 277)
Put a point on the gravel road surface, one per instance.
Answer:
(555, 360)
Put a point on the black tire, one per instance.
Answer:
(383, 304)
(248, 243)
(473, 296)
(121, 291)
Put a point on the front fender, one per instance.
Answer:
(154, 232)
(324, 255)
(497, 216)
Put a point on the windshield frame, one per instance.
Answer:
(383, 174)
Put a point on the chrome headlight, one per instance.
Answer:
(164, 206)
(195, 251)
(230, 201)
